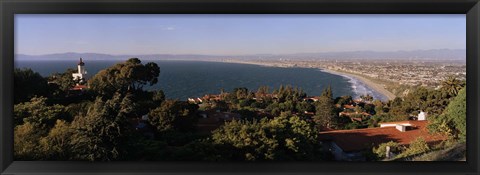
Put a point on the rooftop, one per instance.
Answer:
(361, 139)
(79, 87)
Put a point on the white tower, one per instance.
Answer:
(81, 71)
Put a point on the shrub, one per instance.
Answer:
(382, 148)
(416, 147)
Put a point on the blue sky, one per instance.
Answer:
(235, 34)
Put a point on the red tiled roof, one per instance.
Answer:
(361, 139)
(79, 87)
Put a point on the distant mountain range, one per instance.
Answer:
(434, 54)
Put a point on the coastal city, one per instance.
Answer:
(403, 72)
(336, 126)
(238, 88)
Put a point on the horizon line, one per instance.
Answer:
(72, 52)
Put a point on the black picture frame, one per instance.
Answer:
(8, 8)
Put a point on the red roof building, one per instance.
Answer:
(348, 107)
(348, 144)
(79, 87)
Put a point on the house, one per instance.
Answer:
(358, 101)
(212, 97)
(349, 108)
(78, 88)
(349, 145)
(311, 99)
(195, 100)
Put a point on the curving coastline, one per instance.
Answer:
(372, 85)
(375, 86)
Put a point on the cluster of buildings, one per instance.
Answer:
(351, 145)
(406, 72)
(346, 145)
(206, 98)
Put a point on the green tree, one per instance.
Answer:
(28, 84)
(241, 93)
(63, 81)
(366, 97)
(34, 121)
(359, 109)
(343, 100)
(327, 92)
(289, 93)
(131, 75)
(452, 85)
(418, 146)
(381, 150)
(325, 112)
(285, 137)
(26, 142)
(397, 109)
(174, 115)
(453, 120)
(39, 114)
(379, 107)
(262, 91)
(78, 109)
(103, 134)
(305, 106)
(57, 144)
(369, 108)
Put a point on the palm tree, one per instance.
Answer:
(452, 85)
(366, 97)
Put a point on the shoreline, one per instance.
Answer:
(374, 86)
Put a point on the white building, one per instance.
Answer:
(422, 116)
(80, 75)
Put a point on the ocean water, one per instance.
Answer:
(183, 79)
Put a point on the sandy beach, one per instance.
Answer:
(376, 87)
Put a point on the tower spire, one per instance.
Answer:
(81, 63)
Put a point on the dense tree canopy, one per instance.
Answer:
(39, 114)
(103, 133)
(28, 84)
(285, 137)
(57, 144)
(173, 115)
(40, 132)
(60, 83)
(453, 120)
(131, 75)
(64, 80)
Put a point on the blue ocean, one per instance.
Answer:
(183, 79)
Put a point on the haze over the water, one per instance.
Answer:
(235, 34)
